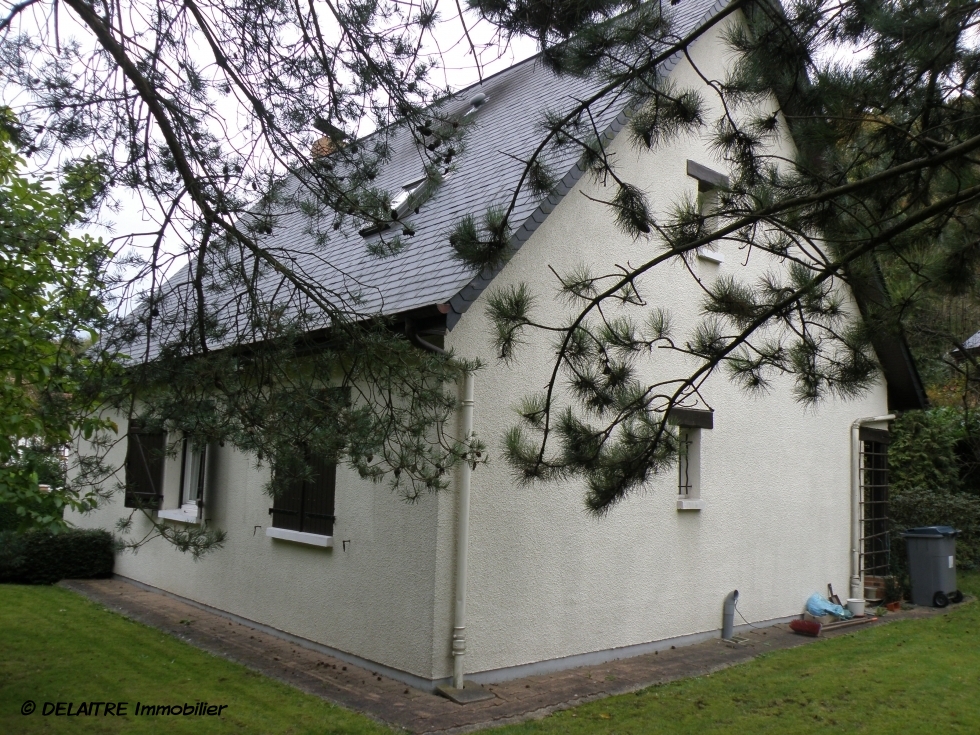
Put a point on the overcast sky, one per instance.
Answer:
(457, 68)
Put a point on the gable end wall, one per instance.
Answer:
(548, 581)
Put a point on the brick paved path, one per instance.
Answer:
(404, 707)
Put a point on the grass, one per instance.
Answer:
(57, 646)
(914, 676)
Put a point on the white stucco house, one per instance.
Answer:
(354, 570)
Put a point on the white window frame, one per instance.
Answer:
(193, 466)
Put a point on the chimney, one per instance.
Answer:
(322, 147)
(333, 138)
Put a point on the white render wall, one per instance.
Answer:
(373, 600)
(548, 581)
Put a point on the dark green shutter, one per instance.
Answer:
(318, 499)
(145, 454)
(287, 509)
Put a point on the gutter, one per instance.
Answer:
(462, 516)
(857, 574)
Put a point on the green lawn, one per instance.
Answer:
(57, 646)
(915, 676)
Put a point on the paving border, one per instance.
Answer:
(393, 703)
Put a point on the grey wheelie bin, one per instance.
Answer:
(932, 565)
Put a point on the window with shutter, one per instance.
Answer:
(145, 454)
(318, 498)
(192, 474)
(287, 509)
(307, 507)
(193, 487)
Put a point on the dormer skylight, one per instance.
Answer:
(402, 203)
(405, 202)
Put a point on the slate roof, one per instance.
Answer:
(506, 130)
(973, 342)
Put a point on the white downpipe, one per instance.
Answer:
(462, 536)
(857, 576)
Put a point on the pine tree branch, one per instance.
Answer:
(938, 208)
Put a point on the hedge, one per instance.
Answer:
(9, 520)
(41, 557)
(938, 448)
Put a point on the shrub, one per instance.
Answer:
(922, 453)
(9, 520)
(938, 448)
(41, 557)
(44, 505)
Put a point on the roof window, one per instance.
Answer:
(406, 201)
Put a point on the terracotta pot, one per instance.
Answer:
(894, 606)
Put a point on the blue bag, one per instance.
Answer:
(818, 607)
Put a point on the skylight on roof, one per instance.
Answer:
(400, 204)
(411, 196)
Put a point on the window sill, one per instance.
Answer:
(177, 515)
(310, 539)
(684, 504)
(711, 256)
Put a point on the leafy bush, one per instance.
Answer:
(8, 517)
(42, 506)
(938, 448)
(32, 464)
(42, 557)
(922, 453)
(937, 508)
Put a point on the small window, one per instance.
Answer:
(405, 201)
(193, 482)
(690, 425)
(710, 184)
(307, 507)
(708, 205)
(192, 474)
(688, 463)
(145, 455)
